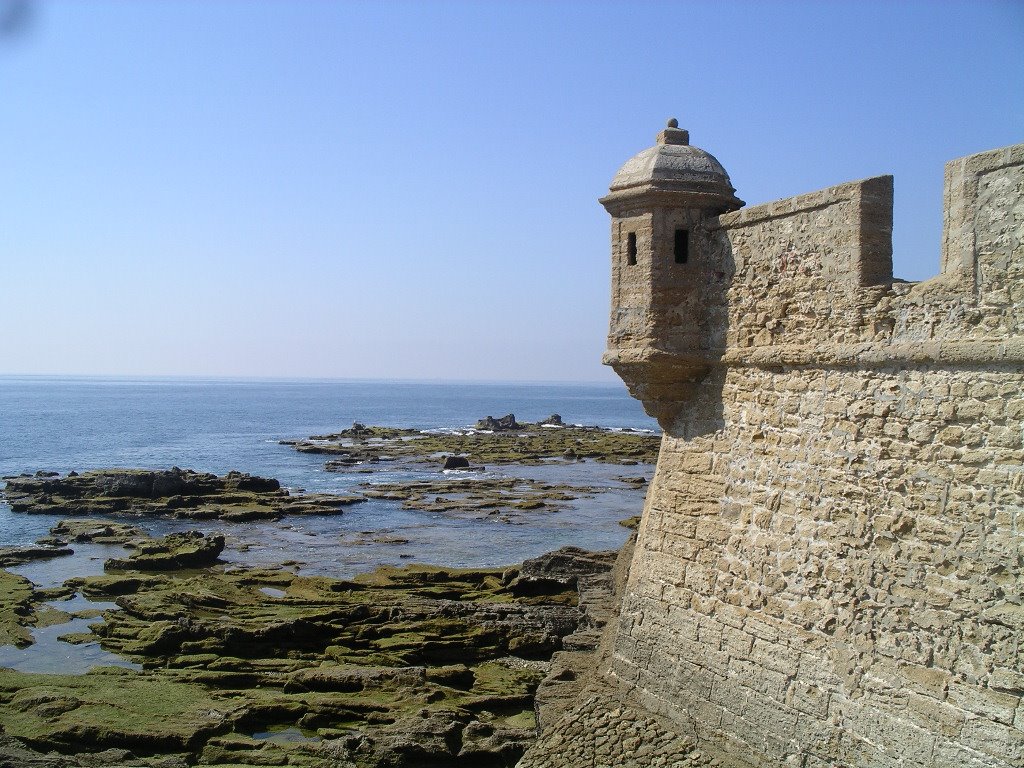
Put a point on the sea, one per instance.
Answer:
(59, 424)
(216, 425)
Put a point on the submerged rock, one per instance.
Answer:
(96, 532)
(18, 555)
(478, 497)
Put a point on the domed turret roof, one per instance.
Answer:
(673, 165)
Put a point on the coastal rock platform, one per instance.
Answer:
(413, 666)
(182, 493)
(498, 441)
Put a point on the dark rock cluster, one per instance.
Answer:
(502, 424)
(234, 497)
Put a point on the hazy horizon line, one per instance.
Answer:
(124, 377)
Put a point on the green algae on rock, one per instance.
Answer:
(399, 667)
(523, 444)
(109, 707)
(184, 493)
(95, 532)
(17, 612)
(392, 616)
(188, 549)
(23, 607)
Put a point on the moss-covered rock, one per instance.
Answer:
(189, 549)
(17, 611)
(399, 667)
(523, 444)
(96, 532)
(109, 708)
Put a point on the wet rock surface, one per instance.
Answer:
(17, 611)
(17, 555)
(183, 493)
(24, 607)
(415, 666)
(189, 549)
(492, 441)
(455, 462)
(98, 532)
(480, 497)
(247, 666)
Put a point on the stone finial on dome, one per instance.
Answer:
(673, 134)
(674, 166)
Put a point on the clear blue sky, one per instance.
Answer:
(409, 189)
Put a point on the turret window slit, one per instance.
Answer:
(631, 248)
(682, 246)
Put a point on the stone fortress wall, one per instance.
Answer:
(829, 569)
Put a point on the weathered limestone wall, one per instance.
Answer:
(830, 565)
(837, 571)
(829, 569)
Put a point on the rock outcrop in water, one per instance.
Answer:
(455, 462)
(403, 667)
(18, 555)
(499, 443)
(189, 549)
(499, 425)
(501, 498)
(234, 497)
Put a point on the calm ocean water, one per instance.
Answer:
(63, 424)
(60, 424)
(217, 425)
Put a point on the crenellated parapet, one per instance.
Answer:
(806, 280)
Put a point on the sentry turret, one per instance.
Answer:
(665, 275)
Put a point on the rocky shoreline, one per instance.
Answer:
(244, 666)
(185, 494)
(415, 666)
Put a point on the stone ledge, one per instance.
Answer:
(957, 353)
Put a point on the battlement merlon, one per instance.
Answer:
(983, 226)
(807, 281)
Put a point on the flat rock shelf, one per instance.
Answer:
(260, 666)
(493, 441)
(175, 492)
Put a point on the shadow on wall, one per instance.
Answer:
(702, 333)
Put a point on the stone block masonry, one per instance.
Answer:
(830, 566)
